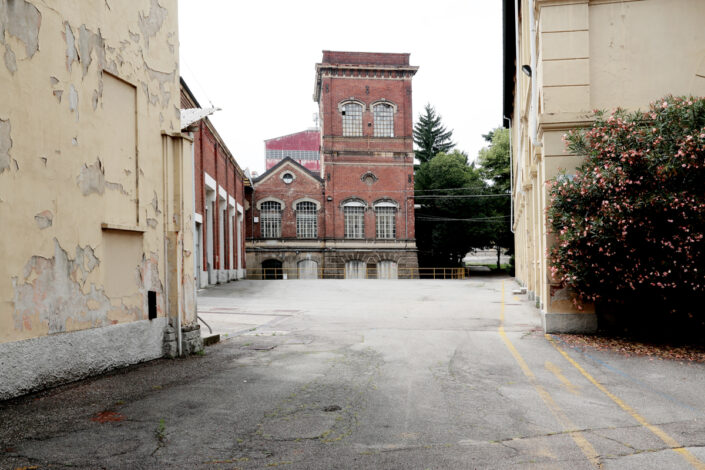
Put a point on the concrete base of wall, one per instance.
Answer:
(38, 363)
(569, 322)
(191, 341)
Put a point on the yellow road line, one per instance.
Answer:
(562, 418)
(667, 439)
(559, 375)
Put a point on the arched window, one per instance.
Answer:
(352, 119)
(384, 120)
(387, 270)
(355, 269)
(306, 220)
(271, 219)
(385, 220)
(354, 212)
(307, 269)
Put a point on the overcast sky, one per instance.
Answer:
(256, 60)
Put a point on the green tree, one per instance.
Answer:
(493, 162)
(431, 136)
(447, 224)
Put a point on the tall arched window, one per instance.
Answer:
(352, 119)
(384, 120)
(354, 213)
(271, 219)
(306, 220)
(385, 220)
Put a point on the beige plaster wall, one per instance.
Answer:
(592, 54)
(89, 147)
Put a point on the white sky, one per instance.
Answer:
(256, 60)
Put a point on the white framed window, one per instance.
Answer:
(384, 120)
(385, 220)
(355, 269)
(306, 220)
(307, 269)
(352, 119)
(271, 219)
(288, 177)
(354, 215)
(387, 270)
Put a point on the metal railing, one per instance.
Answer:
(369, 273)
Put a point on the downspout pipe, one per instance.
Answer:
(511, 177)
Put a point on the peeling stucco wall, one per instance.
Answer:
(69, 188)
(19, 21)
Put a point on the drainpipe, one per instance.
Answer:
(511, 177)
(195, 234)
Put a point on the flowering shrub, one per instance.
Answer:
(629, 223)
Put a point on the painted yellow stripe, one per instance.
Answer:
(667, 439)
(562, 418)
(559, 375)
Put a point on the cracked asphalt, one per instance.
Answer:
(369, 374)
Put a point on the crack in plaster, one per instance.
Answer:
(151, 23)
(52, 290)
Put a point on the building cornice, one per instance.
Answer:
(363, 72)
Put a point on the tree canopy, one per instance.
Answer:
(463, 206)
(431, 136)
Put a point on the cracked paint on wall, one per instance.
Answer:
(91, 179)
(89, 43)
(73, 100)
(51, 292)
(21, 20)
(5, 145)
(151, 23)
(71, 53)
(44, 219)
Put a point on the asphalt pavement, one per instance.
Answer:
(369, 374)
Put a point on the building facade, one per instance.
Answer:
(96, 200)
(362, 199)
(302, 147)
(219, 188)
(562, 60)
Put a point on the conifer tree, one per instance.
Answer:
(431, 136)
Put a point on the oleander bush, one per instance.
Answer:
(629, 223)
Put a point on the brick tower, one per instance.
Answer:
(367, 163)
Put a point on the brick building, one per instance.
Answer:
(219, 186)
(303, 147)
(356, 217)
